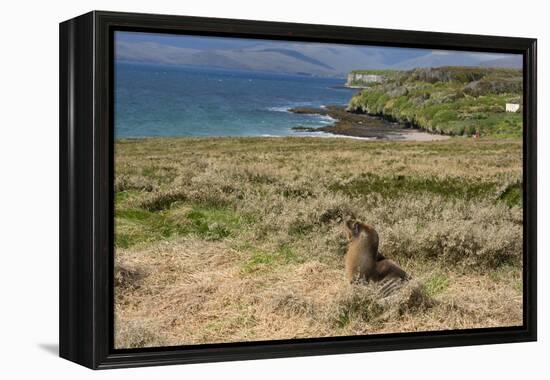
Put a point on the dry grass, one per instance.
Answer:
(226, 239)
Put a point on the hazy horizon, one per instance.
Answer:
(310, 58)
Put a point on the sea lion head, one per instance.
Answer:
(356, 230)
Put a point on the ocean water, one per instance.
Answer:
(155, 100)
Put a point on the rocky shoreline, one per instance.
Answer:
(363, 125)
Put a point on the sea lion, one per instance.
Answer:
(363, 262)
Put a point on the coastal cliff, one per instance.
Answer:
(446, 100)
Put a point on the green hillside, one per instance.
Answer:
(447, 100)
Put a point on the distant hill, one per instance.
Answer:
(440, 59)
(510, 62)
(311, 58)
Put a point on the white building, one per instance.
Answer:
(512, 107)
(360, 79)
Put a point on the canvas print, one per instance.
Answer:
(268, 190)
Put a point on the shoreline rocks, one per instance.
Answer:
(361, 125)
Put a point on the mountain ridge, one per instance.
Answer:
(312, 58)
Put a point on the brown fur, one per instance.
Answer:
(363, 262)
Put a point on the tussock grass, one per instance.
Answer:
(239, 239)
(359, 304)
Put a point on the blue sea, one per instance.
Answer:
(153, 100)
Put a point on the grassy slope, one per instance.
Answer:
(451, 100)
(225, 239)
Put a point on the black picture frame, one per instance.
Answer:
(86, 183)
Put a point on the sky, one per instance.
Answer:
(311, 58)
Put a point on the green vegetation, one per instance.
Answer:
(436, 284)
(402, 185)
(137, 226)
(449, 100)
(512, 194)
(262, 259)
(141, 225)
